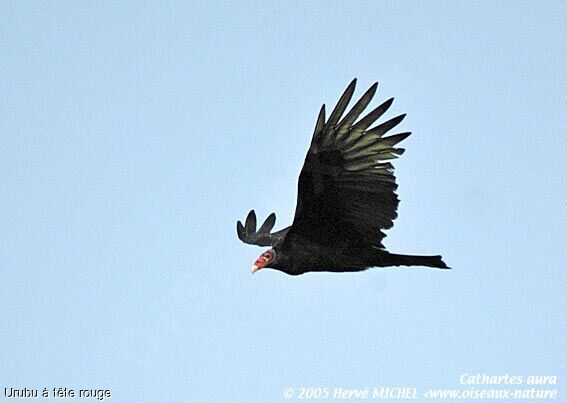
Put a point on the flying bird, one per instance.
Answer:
(346, 198)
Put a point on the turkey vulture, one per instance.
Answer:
(346, 198)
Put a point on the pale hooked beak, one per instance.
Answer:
(255, 269)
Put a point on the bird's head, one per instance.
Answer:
(266, 259)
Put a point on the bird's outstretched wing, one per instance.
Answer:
(346, 188)
(248, 234)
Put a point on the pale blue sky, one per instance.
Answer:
(134, 134)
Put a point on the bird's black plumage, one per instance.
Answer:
(346, 197)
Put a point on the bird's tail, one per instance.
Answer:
(414, 260)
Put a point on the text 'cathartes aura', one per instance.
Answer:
(346, 198)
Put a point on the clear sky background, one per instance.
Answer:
(133, 135)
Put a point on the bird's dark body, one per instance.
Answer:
(343, 256)
(346, 198)
(320, 255)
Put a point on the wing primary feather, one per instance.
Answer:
(346, 123)
(383, 128)
(369, 144)
(250, 225)
(240, 231)
(268, 224)
(320, 122)
(372, 116)
(390, 154)
(391, 141)
(341, 105)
